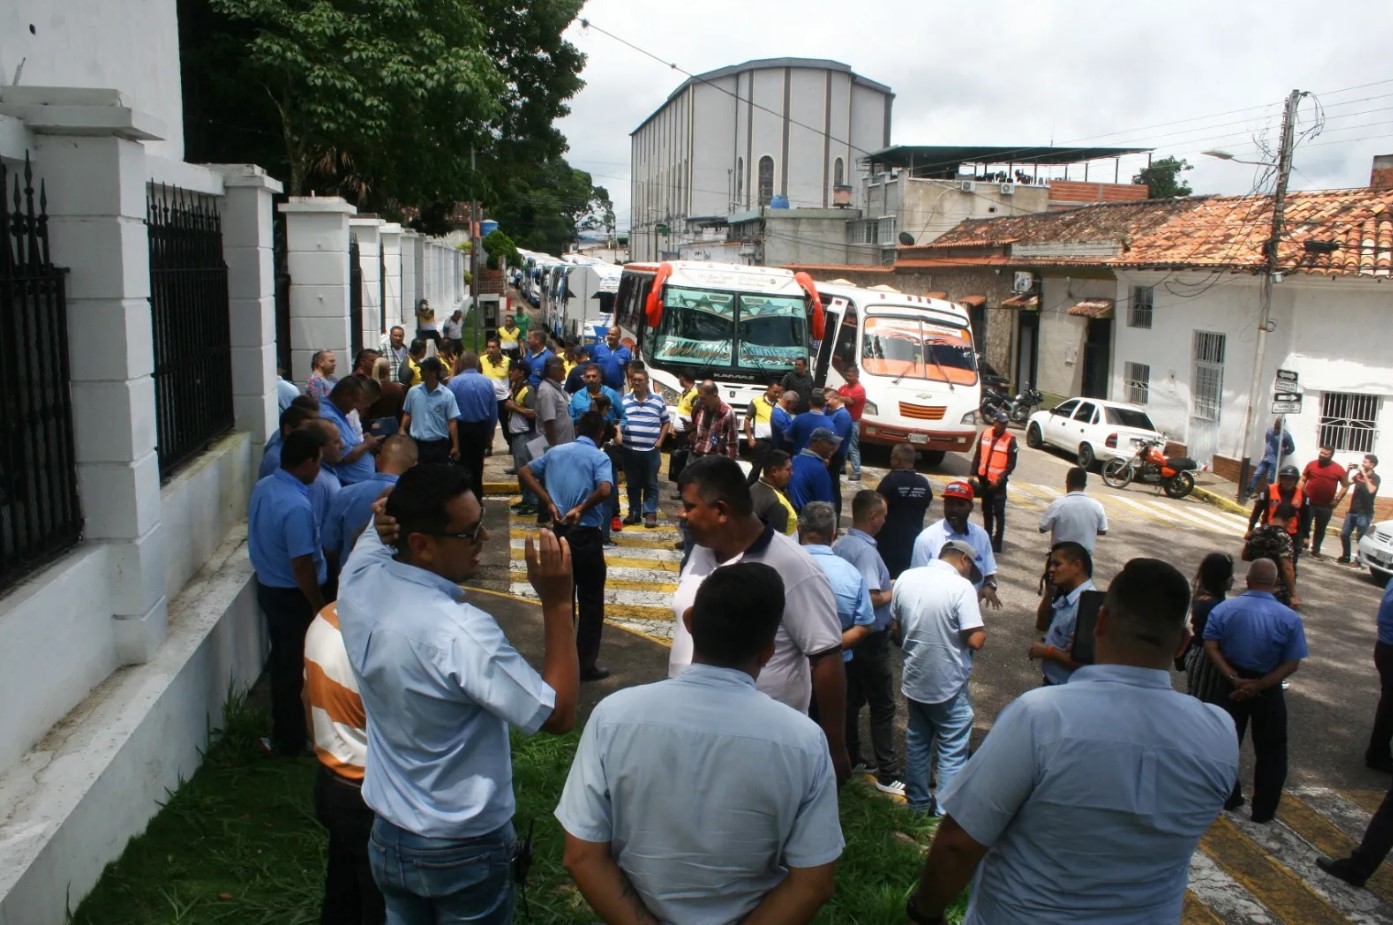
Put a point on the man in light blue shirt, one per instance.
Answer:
(351, 509)
(957, 506)
(285, 550)
(1068, 574)
(698, 798)
(478, 416)
(535, 357)
(817, 528)
(441, 686)
(286, 392)
(291, 418)
(1086, 801)
(430, 416)
(581, 401)
(356, 465)
(936, 614)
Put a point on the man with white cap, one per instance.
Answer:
(957, 505)
(992, 465)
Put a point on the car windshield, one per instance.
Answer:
(1128, 417)
(727, 329)
(914, 347)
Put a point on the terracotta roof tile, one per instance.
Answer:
(973, 301)
(1021, 301)
(1092, 308)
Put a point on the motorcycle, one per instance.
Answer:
(992, 402)
(1023, 404)
(1151, 466)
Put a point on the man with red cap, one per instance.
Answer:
(957, 506)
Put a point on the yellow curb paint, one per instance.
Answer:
(1271, 882)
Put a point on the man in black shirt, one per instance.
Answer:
(907, 498)
(771, 504)
(1364, 486)
(800, 381)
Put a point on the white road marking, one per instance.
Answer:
(657, 554)
(1174, 511)
(1142, 508)
(1225, 897)
(519, 567)
(1346, 816)
(661, 600)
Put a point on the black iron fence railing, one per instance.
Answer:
(281, 258)
(39, 512)
(355, 300)
(189, 312)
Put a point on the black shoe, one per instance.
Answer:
(1379, 764)
(594, 673)
(1341, 869)
(1233, 803)
(679, 546)
(1343, 560)
(1263, 820)
(633, 520)
(1315, 555)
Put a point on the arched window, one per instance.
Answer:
(739, 180)
(766, 180)
(838, 173)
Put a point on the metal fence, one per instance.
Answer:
(355, 299)
(189, 313)
(382, 287)
(39, 513)
(281, 259)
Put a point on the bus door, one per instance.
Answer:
(838, 348)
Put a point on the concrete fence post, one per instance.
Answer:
(317, 257)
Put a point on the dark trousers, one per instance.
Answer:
(834, 468)
(588, 565)
(869, 681)
(1320, 520)
(288, 616)
(474, 438)
(1378, 839)
(1379, 740)
(433, 451)
(1268, 714)
(759, 455)
(351, 896)
(994, 513)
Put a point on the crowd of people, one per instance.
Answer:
(712, 796)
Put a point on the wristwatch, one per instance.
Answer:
(911, 911)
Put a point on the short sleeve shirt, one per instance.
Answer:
(1256, 632)
(1063, 620)
(930, 543)
(860, 549)
(281, 526)
(571, 473)
(431, 412)
(848, 589)
(1075, 518)
(553, 404)
(934, 606)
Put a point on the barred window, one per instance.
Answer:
(1349, 421)
(766, 180)
(1139, 312)
(1138, 382)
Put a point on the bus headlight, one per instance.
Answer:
(871, 409)
(670, 396)
(969, 418)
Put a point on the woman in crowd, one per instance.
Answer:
(1211, 584)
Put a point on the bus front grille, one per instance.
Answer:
(922, 412)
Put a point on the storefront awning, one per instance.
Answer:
(936, 295)
(1030, 303)
(1092, 308)
(973, 301)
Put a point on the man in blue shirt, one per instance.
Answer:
(781, 421)
(286, 552)
(1068, 574)
(1256, 642)
(478, 416)
(811, 481)
(535, 357)
(356, 464)
(957, 506)
(430, 415)
(1277, 439)
(594, 388)
(839, 419)
(870, 677)
(646, 425)
(800, 432)
(573, 481)
(1379, 754)
(613, 359)
(817, 529)
(351, 509)
(1087, 800)
(761, 840)
(291, 419)
(441, 685)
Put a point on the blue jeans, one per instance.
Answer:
(854, 454)
(950, 723)
(1354, 523)
(518, 444)
(641, 470)
(434, 881)
(1264, 470)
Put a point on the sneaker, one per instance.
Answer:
(894, 788)
(650, 521)
(854, 477)
(861, 767)
(616, 525)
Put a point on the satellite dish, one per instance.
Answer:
(906, 239)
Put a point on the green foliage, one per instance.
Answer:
(542, 204)
(1162, 178)
(501, 249)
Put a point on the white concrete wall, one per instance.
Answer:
(1061, 337)
(712, 188)
(809, 175)
(55, 43)
(930, 207)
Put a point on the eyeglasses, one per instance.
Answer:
(469, 536)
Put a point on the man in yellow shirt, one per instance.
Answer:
(771, 504)
(495, 366)
(686, 403)
(759, 433)
(509, 337)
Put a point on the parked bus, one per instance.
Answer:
(741, 326)
(586, 300)
(916, 361)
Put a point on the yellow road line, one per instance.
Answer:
(651, 565)
(627, 584)
(638, 612)
(1197, 913)
(1329, 840)
(1275, 885)
(1365, 799)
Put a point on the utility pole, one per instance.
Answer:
(1274, 238)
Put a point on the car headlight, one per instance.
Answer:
(871, 408)
(969, 418)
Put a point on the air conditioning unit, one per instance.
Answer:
(967, 186)
(1008, 189)
(1023, 282)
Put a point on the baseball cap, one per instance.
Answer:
(962, 546)
(1001, 417)
(824, 433)
(958, 489)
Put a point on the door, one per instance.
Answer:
(1057, 424)
(1027, 349)
(1097, 352)
(1080, 424)
(1206, 396)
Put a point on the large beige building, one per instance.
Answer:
(736, 138)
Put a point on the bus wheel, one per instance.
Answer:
(933, 457)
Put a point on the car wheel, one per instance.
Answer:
(933, 457)
(1086, 457)
(1033, 438)
(1380, 577)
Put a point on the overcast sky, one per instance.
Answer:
(1023, 73)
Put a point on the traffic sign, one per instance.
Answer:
(1287, 375)
(1286, 381)
(1286, 403)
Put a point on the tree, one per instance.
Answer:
(501, 250)
(601, 217)
(541, 205)
(1162, 178)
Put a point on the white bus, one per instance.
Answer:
(740, 326)
(586, 299)
(916, 361)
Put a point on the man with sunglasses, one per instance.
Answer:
(441, 685)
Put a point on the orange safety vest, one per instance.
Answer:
(995, 455)
(1274, 498)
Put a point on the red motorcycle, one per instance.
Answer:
(1150, 465)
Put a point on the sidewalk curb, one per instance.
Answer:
(1219, 501)
(492, 489)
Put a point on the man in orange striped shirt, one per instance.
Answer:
(334, 714)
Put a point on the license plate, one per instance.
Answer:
(918, 438)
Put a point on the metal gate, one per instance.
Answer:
(1206, 395)
(281, 260)
(355, 300)
(381, 288)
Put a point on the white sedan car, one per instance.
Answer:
(1092, 429)
(1376, 550)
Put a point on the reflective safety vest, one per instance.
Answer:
(1274, 500)
(415, 372)
(994, 455)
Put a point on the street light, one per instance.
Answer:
(1226, 156)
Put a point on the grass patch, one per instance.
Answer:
(238, 844)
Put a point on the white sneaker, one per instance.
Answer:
(895, 788)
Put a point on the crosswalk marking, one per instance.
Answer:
(1153, 513)
(1197, 913)
(1346, 815)
(1297, 815)
(1292, 900)
(1228, 899)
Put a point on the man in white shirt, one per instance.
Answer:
(935, 611)
(957, 506)
(1075, 518)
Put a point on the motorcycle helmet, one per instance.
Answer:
(1289, 472)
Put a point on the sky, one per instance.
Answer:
(1182, 77)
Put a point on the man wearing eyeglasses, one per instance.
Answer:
(441, 685)
(573, 481)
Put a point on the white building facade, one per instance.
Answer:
(734, 139)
